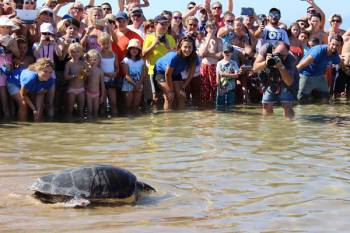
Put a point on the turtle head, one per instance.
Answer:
(144, 188)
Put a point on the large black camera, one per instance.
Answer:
(276, 58)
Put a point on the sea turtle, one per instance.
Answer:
(90, 184)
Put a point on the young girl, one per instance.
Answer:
(75, 72)
(134, 69)
(109, 65)
(8, 48)
(95, 87)
(227, 71)
(169, 69)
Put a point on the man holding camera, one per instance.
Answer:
(278, 72)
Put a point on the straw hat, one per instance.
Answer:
(134, 43)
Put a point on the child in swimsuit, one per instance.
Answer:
(75, 72)
(109, 65)
(134, 68)
(95, 87)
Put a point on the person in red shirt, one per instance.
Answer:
(123, 36)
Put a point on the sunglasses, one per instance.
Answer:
(275, 15)
(217, 8)
(106, 8)
(29, 2)
(311, 11)
(136, 15)
(190, 8)
(111, 21)
(229, 21)
(192, 25)
(46, 34)
(336, 21)
(177, 18)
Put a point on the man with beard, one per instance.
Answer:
(312, 69)
(271, 33)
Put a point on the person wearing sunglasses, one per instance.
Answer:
(271, 32)
(156, 45)
(176, 26)
(314, 9)
(29, 5)
(106, 8)
(137, 19)
(335, 22)
(77, 12)
(216, 11)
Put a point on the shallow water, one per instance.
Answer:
(214, 172)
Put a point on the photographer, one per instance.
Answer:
(278, 73)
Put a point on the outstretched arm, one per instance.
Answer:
(307, 61)
(230, 5)
(121, 4)
(319, 10)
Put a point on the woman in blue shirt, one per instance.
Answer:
(174, 71)
(34, 83)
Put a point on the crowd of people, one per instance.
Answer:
(92, 62)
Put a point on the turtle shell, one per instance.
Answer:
(90, 182)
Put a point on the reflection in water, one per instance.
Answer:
(214, 172)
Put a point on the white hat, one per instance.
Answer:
(45, 9)
(4, 21)
(47, 27)
(134, 43)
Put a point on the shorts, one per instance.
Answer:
(111, 84)
(13, 89)
(161, 78)
(284, 96)
(127, 86)
(312, 83)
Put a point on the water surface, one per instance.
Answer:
(214, 172)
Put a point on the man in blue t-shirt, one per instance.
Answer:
(313, 66)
